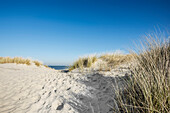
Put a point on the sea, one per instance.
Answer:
(59, 67)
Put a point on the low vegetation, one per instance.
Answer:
(110, 61)
(83, 62)
(37, 63)
(18, 60)
(148, 88)
(46, 66)
(114, 60)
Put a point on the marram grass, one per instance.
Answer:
(83, 62)
(18, 60)
(148, 89)
(37, 63)
(114, 60)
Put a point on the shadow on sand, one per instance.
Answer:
(101, 93)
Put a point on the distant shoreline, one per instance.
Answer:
(58, 67)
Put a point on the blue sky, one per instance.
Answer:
(57, 32)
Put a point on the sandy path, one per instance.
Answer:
(30, 89)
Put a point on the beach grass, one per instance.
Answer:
(37, 63)
(148, 89)
(18, 60)
(114, 59)
(83, 62)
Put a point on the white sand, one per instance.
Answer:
(34, 89)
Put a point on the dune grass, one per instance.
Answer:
(37, 63)
(148, 89)
(46, 66)
(18, 60)
(83, 62)
(114, 59)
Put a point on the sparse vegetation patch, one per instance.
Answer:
(83, 62)
(18, 60)
(114, 60)
(37, 63)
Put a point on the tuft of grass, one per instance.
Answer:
(148, 89)
(114, 60)
(28, 62)
(46, 66)
(37, 63)
(83, 62)
(17, 60)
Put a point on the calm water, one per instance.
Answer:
(59, 67)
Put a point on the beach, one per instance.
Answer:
(32, 89)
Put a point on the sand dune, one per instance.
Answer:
(31, 89)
